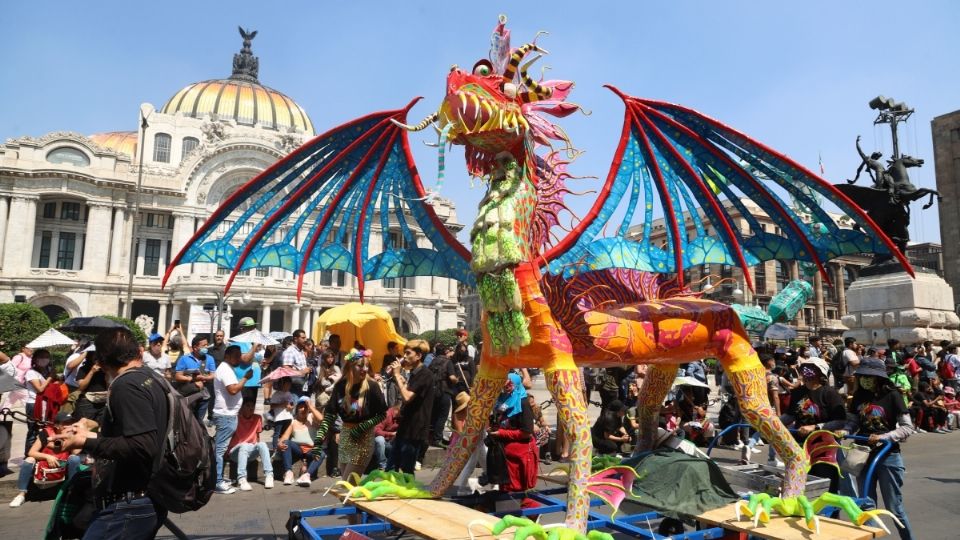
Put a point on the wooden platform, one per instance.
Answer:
(429, 518)
(792, 528)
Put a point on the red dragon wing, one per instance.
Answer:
(677, 163)
(334, 187)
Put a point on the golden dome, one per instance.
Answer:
(119, 141)
(246, 102)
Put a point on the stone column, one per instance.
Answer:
(96, 251)
(162, 324)
(294, 318)
(265, 317)
(306, 320)
(3, 225)
(117, 239)
(818, 316)
(841, 293)
(18, 252)
(174, 313)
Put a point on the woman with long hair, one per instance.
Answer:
(357, 400)
(878, 413)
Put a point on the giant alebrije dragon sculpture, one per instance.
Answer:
(559, 304)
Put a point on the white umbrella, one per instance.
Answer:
(279, 335)
(51, 338)
(689, 381)
(255, 336)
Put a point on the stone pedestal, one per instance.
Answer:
(894, 305)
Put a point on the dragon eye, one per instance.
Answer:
(482, 68)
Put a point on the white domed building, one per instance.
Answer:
(67, 202)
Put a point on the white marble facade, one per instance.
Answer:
(66, 206)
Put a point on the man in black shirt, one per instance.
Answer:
(443, 374)
(131, 435)
(417, 395)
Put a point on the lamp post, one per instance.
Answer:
(436, 319)
(219, 306)
(145, 111)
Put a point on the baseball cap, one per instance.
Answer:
(247, 322)
(154, 337)
(303, 399)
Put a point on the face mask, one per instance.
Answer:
(203, 351)
(258, 356)
(867, 383)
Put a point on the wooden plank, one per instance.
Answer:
(560, 477)
(788, 528)
(433, 519)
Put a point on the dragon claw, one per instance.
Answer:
(761, 506)
(874, 514)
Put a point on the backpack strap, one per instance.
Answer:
(168, 434)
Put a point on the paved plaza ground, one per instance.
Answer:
(931, 491)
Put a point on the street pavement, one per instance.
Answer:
(931, 492)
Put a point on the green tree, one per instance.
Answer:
(19, 325)
(445, 337)
(137, 332)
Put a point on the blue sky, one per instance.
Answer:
(796, 76)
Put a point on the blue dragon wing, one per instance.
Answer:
(695, 170)
(335, 187)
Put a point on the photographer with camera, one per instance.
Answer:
(227, 401)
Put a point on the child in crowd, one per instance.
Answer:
(953, 407)
(246, 441)
(281, 408)
(45, 461)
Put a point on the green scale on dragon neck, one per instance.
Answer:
(499, 241)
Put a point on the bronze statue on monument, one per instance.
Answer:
(888, 200)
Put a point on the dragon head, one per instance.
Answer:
(492, 108)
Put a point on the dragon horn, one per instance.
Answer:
(419, 127)
(539, 92)
(516, 58)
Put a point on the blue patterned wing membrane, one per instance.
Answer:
(675, 163)
(314, 210)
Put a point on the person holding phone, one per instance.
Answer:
(227, 403)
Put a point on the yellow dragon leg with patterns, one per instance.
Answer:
(550, 349)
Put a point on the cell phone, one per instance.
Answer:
(248, 374)
(176, 323)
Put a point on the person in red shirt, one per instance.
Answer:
(246, 441)
(384, 433)
(512, 459)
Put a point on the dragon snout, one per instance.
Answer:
(476, 112)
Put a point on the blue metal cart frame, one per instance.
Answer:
(623, 523)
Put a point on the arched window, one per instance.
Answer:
(68, 155)
(189, 144)
(161, 148)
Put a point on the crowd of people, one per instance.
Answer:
(326, 404)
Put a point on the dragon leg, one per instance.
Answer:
(486, 387)
(654, 389)
(566, 387)
(749, 382)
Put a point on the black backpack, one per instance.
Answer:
(184, 473)
(838, 364)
